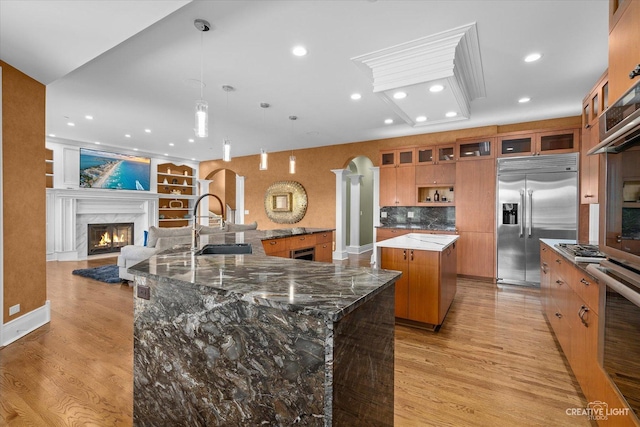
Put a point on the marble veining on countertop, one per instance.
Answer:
(313, 288)
(418, 241)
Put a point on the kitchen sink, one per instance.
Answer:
(225, 249)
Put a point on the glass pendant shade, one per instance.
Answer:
(226, 150)
(263, 160)
(202, 118)
(292, 164)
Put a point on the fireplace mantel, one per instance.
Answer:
(70, 210)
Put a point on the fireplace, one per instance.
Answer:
(108, 238)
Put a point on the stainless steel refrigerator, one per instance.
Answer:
(537, 198)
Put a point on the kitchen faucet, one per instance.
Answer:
(195, 231)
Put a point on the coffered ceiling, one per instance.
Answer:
(135, 65)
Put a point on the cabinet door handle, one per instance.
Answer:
(559, 282)
(583, 310)
(273, 243)
(404, 254)
(558, 315)
(411, 254)
(584, 282)
(558, 261)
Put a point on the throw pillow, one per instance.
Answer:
(242, 227)
(146, 237)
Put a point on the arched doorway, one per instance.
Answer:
(227, 201)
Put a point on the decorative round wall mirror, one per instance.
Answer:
(285, 202)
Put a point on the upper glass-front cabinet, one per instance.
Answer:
(533, 144)
(436, 154)
(395, 158)
(475, 149)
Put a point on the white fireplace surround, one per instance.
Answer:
(70, 211)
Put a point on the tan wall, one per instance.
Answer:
(23, 191)
(314, 167)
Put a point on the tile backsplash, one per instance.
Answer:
(419, 217)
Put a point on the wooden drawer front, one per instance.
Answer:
(324, 252)
(304, 241)
(560, 325)
(588, 289)
(272, 246)
(324, 237)
(388, 233)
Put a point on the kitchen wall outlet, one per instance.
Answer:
(246, 212)
(144, 292)
(409, 214)
(14, 309)
(383, 214)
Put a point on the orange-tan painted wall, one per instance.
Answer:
(314, 167)
(23, 191)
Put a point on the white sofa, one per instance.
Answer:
(160, 239)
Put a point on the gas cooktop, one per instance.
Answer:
(582, 252)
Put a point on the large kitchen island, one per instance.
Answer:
(258, 340)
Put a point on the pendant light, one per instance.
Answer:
(202, 107)
(292, 158)
(226, 143)
(263, 152)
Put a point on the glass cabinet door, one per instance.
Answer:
(520, 145)
(446, 154)
(478, 149)
(564, 141)
(425, 155)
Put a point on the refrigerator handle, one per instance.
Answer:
(521, 222)
(530, 211)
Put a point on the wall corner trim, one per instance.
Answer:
(29, 322)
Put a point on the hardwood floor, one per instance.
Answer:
(493, 363)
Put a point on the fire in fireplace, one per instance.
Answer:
(107, 238)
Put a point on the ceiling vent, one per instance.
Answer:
(450, 59)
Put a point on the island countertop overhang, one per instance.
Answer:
(319, 289)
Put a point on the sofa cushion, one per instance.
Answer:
(169, 242)
(242, 227)
(157, 232)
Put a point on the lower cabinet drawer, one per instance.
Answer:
(305, 241)
(273, 246)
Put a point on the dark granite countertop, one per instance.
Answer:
(325, 290)
(581, 265)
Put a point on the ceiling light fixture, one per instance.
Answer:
(147, 130)
(263, 153)
(400, 95)
(356, 96)
(191, 140)
(126, 135)
(52, 135)
(532, 57)
(388, 121)
(420, 119)
(171, 144)
(436, 88)
(70, 124)
(202, 107)
(292, 158)
(226, 143)
(451, 114)
(88, 117)
(524, 100)
(299, 51)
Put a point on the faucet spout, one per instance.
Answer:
(195, 231)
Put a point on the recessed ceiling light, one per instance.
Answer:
(355, 96)
(436, 88)
(88, 117)
(400, 95)
(135, 149)
(299, 51)
(126, 135)
(524, 99)
(166, 154)
(421, 119)
(52, 135)
(97, 142)
(191, 140)
(451, 114)
(171, 144)
(147, 130)
(193, 158)
(70, 124)
(532, 57)
(388, 121)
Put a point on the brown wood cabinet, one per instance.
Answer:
(624, 45)
(570, 300)
(397, 177)
(556, 141)
(427, 286)
(436, 155)
(284, 246)
(592, 107)
(475, 149)
(475, 217)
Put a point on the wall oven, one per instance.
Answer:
(619, 240)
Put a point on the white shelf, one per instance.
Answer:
(175, 175)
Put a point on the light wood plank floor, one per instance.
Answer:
(493, 363)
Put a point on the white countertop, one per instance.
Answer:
(419, 241)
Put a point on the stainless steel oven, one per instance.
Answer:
(621, 346)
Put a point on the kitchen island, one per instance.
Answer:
(427, 287)
(258, 340)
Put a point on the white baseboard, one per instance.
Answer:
(17, 328)
(340, 255)
(359, 249)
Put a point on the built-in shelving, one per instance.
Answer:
(49, 168)
(178, 183)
